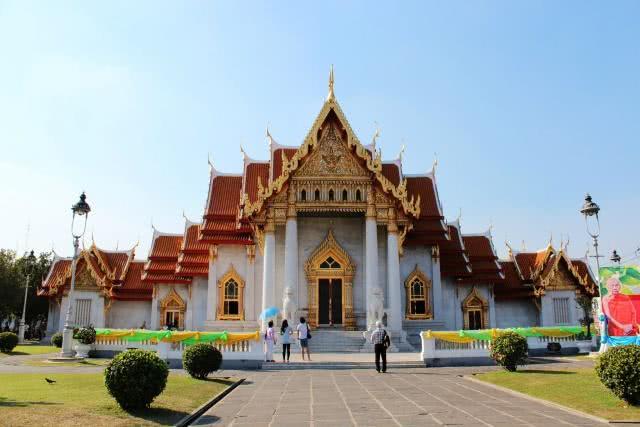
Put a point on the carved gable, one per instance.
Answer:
(560, 279)
(85, 281)
(331, 157)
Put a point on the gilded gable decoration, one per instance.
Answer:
(173, 309)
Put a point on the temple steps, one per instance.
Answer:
(335, 341)
(338, 365)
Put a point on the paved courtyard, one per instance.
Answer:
(404, 397)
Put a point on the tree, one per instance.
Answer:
(13, 275)
(584, 302)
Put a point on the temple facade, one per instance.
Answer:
(329, 231)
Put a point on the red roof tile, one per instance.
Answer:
(391, 172)
(423, 186)
(166, 246)
(224, 196)
(254, 171)
(277, 160)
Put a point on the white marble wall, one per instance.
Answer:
(163, 291)
(97, 309)
(547, 314)
(512, 313)
(199, 302)
(129, 314)
(453, 294)
(420, 256)
(349, 233)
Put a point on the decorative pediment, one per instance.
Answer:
(331, 158)
(331, 113)
(85, 281)
(173, 301)
(329, 258)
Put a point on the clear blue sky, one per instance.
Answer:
(527, 104)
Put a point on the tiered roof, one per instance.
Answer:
(115, 273)
(163, 259)
(524, 272)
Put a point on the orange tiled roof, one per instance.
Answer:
(194, 254)
(163, 260)
(453, 259)
(391, 172)
(483, 259)
(253, 171)
(277, 160)
(133, 288)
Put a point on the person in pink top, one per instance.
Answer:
(270, 341)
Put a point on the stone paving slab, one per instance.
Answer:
(402, 397)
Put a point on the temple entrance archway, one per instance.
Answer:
(330, 272)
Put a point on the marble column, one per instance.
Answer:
(289, 299)
(394, 317)
(250, 288)
(212, 283)
(371, 264)
(436, 283)
(188, 324)
(269, 268)
(155, 324)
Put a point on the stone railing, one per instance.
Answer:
(246, 353)
(436, 352)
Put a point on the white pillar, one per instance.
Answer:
(371, 267)
(250, 287)
(212, 285)
(437, 285)
(394, 317)
(188, 324)
(269, 269)
(290, 299)
(155, 323)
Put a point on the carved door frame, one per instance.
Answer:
(330, 248)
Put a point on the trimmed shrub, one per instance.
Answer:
(56, 339)
(200, 360)
(509, 350)
(86, 335)
(619, 370)
(8, 341)
(136, 377)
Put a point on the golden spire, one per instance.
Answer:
(331, 96)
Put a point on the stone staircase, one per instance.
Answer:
(326, 340)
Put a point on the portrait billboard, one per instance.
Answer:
(620, 300)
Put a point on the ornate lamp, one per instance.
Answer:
(615, 257)
(80, 209)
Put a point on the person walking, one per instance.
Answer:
(304, 333)
(270, 341)
(286, 332)
(380, 340)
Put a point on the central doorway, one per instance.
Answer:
(330, 301)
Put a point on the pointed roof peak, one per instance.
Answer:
(331, 95)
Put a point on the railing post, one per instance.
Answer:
(428, 347)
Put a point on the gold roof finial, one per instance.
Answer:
(331, 95)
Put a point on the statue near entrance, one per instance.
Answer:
(375, 308)
(288, 305)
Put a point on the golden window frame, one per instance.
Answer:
(173, 302)
(231, 274)
(475, 302)
(417, 274)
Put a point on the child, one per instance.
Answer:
(270, 340)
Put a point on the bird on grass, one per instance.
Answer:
(50, 381)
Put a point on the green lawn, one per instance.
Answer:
(577, 388)
(22, 350)
(82, 399)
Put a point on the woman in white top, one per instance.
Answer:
(286, 333)
(270, 340)
(303, 336)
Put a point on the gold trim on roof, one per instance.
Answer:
(410, 204)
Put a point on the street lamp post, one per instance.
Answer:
(590, 210)
(31, 259)
(80, 209)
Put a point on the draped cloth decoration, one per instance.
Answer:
(466, 336)
(185, 337)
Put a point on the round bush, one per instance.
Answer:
(8, 341)
(200, 360)
(619, 370)
(86, 335)
(56, 339)
(509, 350)
(136, 377)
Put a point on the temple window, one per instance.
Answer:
(418, 290)
(303, 195)
(344, 195)
(230, 296)
(331, 195)
(561, 311)
(173, 309)
(358, 195)
(474, 311)
(317, 195)
(330, 263)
